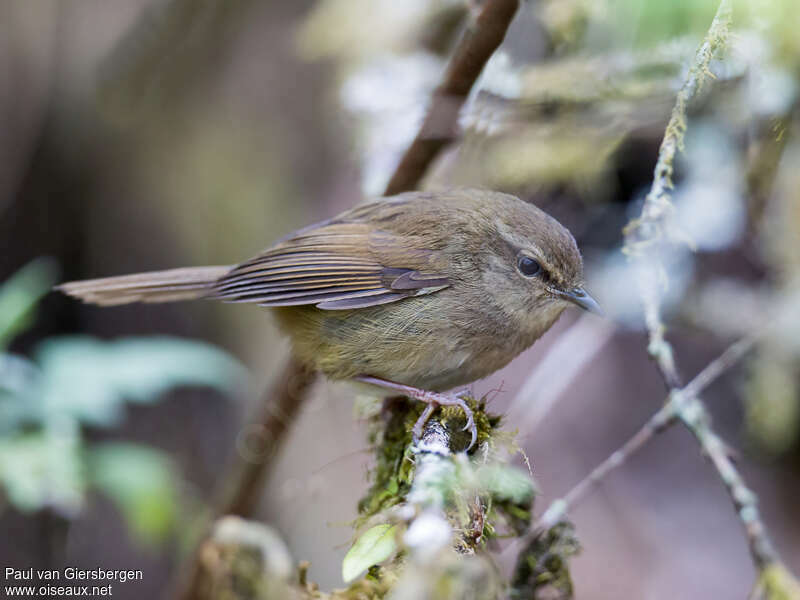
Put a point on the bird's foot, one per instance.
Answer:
(432, 399)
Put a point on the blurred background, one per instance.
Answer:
(141, 135)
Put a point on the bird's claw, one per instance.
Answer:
(448, 400)
(471, 427)
(432, 399)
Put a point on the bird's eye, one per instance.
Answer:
(528, 266)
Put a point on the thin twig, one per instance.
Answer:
(649, 230)
(660, 421)
(438, 129)
(559, 508)
(692, 412)
(732, 355)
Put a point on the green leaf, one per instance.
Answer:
(19, 295)
(44, 470)
(374, 546)
(506, 483)
(19, 405)
(142, 483)
(90, 380)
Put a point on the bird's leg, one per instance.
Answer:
(432, 399)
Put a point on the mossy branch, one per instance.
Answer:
(649, 227)
(648, 230)
(443, 507)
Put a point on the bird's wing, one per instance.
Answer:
(336, 265)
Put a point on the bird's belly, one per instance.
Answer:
(413, 344)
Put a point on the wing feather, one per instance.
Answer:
(336, 266)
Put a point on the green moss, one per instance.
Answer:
(391, 476)
(390, 433)
(483, 498)
(543, 567)
(375, 585)
(453, 418)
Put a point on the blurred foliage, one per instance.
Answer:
(772, 390)
(569, 119)
(530, 125)
(19, 295)
(776, 583)
(43, 468)
(90, 380)
(542, 569)
(331, 31)
(77, 382)
(602, 24)
(772, 398)
(142, 482)
(372, 547)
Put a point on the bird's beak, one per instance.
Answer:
(581, 298)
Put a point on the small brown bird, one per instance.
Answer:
(419, 293)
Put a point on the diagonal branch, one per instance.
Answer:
(256, 450)
(659, 422)
(438, 128)
(650, 230)
(259, 442)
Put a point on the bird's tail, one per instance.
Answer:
(158, 286)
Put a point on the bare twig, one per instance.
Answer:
(661, 420)
(732, 355)
(559, 508)
(438, 128)
(692, 412)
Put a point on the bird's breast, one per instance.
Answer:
(434, 342)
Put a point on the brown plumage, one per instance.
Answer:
(428, 289)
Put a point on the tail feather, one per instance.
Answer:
(158, 286)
